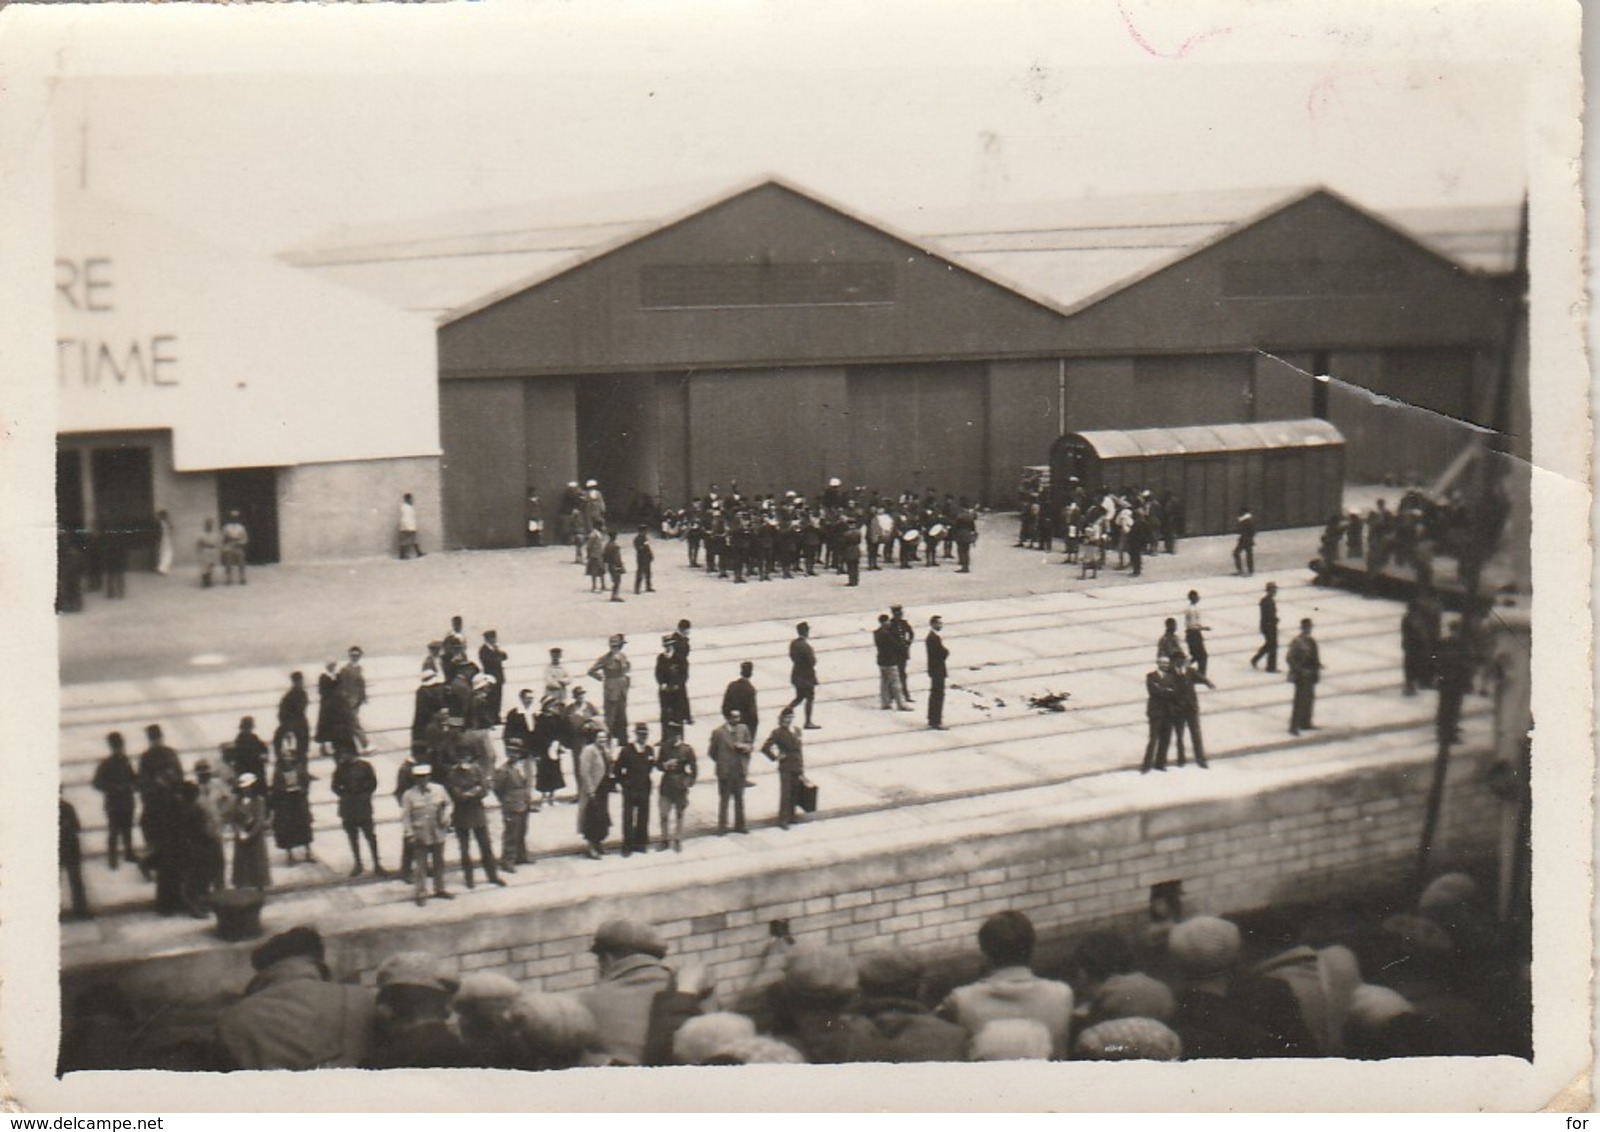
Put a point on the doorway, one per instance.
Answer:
(253, 492)
(71, 514)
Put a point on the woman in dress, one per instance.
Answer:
(291, 801)
(333, 712)
(249, 819)
(544, 743)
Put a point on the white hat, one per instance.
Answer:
(247, 780)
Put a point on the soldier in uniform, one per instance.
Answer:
(468, 784)
(612, 670)
(803, 672)
(905, 636)
(513, 786)
(676, 762)
(422, 816)
(1269, 629)
(354, 783)
(784, 747)
(965, 533)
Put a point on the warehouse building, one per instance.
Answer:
(196, 380)
(773, 337)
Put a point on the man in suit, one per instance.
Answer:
(669, 681)
(681, 645)
(938, 654)
(1161, 711)
(740, 696)
(1269, 629)
(803, 672)
(353, 687)
(904, 635)
(784, 747)
(730, 754)
(635, 763)
(1305, 669)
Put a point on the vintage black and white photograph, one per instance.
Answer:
(585, 538)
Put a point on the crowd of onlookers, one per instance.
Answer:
(1443, 978)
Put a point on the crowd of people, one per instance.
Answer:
(1133, 522)
(1440, 977)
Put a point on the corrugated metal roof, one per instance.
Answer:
(1064, 253)
(1111, 444)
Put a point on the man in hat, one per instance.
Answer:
(612, 670)
(292, 1015)
(890, 1022)
(730, 754)
(1269, 629)
(938, 656)
(629, 954)
(803, 672)
(414, 1031)
(468, 785)
(117, 783)
(785, 748)
(481, 1007)
(681, 645)
(635, 764)
(1162, 713)
(422, 816)
(354, 783)
(513, 785)
(669, 681)
(492, 660)
(679, 770)
(235, 540)
(353, 687)
(1305, 669)
(740, 696)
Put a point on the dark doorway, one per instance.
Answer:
(125, 501)
(617, 441)
(253, 492)
(70, 513)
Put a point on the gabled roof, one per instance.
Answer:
(1063, 254)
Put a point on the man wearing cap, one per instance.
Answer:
(669, 681)
(938, 656)
(354, 784)
(414, 1031)
(468, 785)
(784, 747)
(681, 645)
(679, 770)
(730, 754)
(1305, 669)
(481, 1006)
(492, 660)
(803, 672)
(888, 654)
(1162, 711)
(513, 786)
(1011, 989)
(1269, 629)
(632, 974)
(740, 696)
(612, 670)
(292, 1015)
(635, 763)
(422, 816)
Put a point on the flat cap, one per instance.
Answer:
(627, 936)
(415, 969)
(301, 940)
(1130, 1039)
(487, 988)
(1204, 945)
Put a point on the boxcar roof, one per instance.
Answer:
(1112, 444)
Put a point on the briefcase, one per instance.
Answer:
(806, 796)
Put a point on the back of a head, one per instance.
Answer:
(1006, 939)
(1134, 995)
(890, 972)
(706, 1038)
(1130, 1039)
(1204, 946)
(816, 975)
(551, 1030)
(761, 1050)
(1102, 954)
(1012, 1039)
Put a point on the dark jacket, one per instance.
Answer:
(937, 655)
(803, 662)
(291, 1017)
(902, 1029)
(633, 767)
(740, 696)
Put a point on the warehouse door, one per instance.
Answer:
(70, 511)
(920, 428)
(618, 440)
(253, 492)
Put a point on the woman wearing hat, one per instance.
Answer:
(249, 819)
(291, 802)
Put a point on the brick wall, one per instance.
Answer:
(1347, 833)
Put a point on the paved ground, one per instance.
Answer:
(1021, 626)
